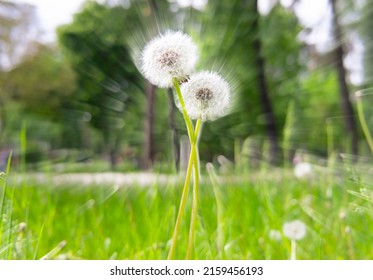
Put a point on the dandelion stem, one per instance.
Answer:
(187, 120)
(193, 219)
(192, 156)
(182, 205)
(293, 256)
(363, 122)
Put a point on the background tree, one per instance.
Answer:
(43, 83)
(347, 108)
(227, 36)
(106, 76)
(95, 97)
(18, 29)
(266, 103)
(366, 35)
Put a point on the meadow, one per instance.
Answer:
(135, 88)
(240, 217)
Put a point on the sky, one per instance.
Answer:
(52, 13)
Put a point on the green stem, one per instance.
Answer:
(182, 206)
(293, 255)
(4, 192)
(184, 195)
(193, 219)
(330, 141)
(187, 120)
(363, 123)
(23, 141)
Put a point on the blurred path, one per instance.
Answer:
(107, 178)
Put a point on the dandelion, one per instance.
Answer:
(294, 230)
(206, 96)
(167, 61)
(347, 230)
(275, 235)
(22, 227)
(168, 56)
(203, 96)
(342, 214)
(303, 170)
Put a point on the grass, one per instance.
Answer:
(107, 222)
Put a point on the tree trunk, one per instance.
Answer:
(148, 148)
(114, 149)
(148, 144)
(265, 101)
(153, 5)
(347, 109)
(111, 147)
(173, 128)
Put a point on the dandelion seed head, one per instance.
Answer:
(168, 56)
(275, 235)
(206, 96)
(303, 170)
(342, 214)
(347, 230)
(169, 59)
(22, 227)
(294, 230)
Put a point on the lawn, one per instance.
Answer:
(240, 217)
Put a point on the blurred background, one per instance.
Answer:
(72, 98)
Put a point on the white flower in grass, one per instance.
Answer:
(206, 96)
(303, 170)
(168, 56)
(294, 230)
(275, 235)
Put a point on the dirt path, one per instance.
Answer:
(107, 178)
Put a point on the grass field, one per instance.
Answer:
(237, 219)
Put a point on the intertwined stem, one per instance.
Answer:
(193, 160)
(182, 206)
(195, 191)
(187, 120)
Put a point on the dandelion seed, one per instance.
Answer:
(168, 56)
(294, 230)
(206, 96)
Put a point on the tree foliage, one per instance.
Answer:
(108, 81)
(93, 89)
(43, 83)
(227, 34)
